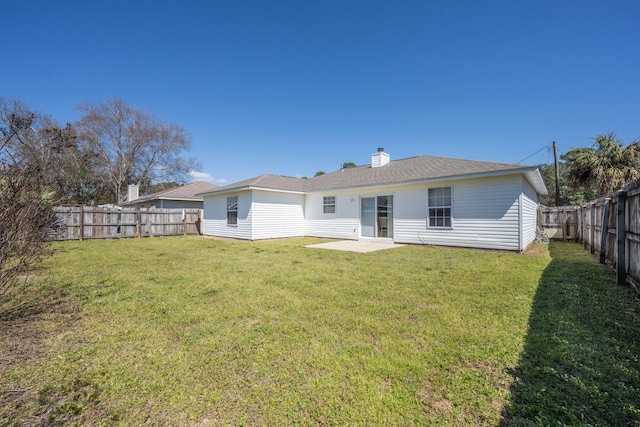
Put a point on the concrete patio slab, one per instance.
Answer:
(358, 246)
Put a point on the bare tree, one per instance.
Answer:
(132, 146)
(62, 163)
(26, 196)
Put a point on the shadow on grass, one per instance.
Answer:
(581, 360)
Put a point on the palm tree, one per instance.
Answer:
(607, 166)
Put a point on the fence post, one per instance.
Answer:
(572, 225)
(585, 232)
(605, 231)
(621, 238)
(592, 230)
(139, 222)
(149, 229)
(81, 223)
(184, 222)
(579, 224)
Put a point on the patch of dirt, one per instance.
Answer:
(433, 406)
(25, 332)
(495, 373)
(536, 250)
(205, 422)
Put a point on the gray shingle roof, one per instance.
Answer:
(406, 170)
(413, 169)
(185, 192)
(275, 182)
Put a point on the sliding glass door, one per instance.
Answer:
(376, 217)
(368, 217)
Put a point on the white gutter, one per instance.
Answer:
(247, 188)
(524, 171)
(531, 173)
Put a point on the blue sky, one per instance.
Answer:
(294, 87)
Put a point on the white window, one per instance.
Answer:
(440, 207)
(232, 210)
(329, 204)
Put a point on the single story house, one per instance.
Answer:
(183, 197)
(419, 200)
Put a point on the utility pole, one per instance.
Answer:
(555, 159)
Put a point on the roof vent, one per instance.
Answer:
(379, 159)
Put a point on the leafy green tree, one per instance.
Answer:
(348, 165)
(607, 166)
(319, 173)
(568, 195)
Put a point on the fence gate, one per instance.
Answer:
(559, 222)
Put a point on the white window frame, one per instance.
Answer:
(232, 211)
(438, 203)
(329, 204)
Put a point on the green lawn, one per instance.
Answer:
(196, 331)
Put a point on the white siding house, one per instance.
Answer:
(484, 214)
(420, 200)
(529, 214)
(341, 224)
(214, 218)
(277, 214)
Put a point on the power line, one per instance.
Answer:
(546, 146)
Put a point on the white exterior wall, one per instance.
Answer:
(261, 215)
(485, 211)
(485, 214)
(343, 224)
(529, 214)
(277, 214)
(214, 221)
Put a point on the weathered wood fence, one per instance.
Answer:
(91, 222)
(609, 227)
(559, 222)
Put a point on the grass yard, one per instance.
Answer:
(203, 332)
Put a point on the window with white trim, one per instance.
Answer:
(232, 210)
(329, 204)
(440, 207)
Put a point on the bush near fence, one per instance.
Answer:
(609, 227)
(93, 222)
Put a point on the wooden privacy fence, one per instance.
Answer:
(559, 222)
(610, 228)
(92, 222)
